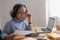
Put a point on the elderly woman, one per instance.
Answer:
(18, 21)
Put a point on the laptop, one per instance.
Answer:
(50, 25)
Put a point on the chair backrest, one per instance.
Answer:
(0, 31)
(0, 36)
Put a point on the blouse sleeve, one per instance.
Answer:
(7, 30)
(27, 26)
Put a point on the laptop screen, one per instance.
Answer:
(51, 23)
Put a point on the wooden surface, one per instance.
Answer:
(16, 37)
(53, 36)
(23, 36)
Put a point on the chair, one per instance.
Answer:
(0, 35)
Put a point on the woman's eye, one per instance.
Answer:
(20, 13)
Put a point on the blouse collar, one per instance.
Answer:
(15, 19)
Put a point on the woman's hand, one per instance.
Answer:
(29, 16)
(9, 36)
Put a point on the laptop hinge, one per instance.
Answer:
(48, 29)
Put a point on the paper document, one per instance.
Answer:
(56, 35)
(22, 32)
(29, 39)
(42, 36)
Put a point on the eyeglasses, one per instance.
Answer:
(21, 13)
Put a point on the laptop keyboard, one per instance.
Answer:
(44, 29)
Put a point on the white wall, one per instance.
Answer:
(0, 18)
(0, 12)
(47, 10)
(55, 10)
(36, 7)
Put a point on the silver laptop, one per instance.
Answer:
(50, 25)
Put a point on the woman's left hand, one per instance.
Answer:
(28, 15)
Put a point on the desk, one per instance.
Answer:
(14, 37)
(53, 36)
(23, 36)
(33, 30)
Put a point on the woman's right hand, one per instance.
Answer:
(9, 36)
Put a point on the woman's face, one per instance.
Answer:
(21, 13)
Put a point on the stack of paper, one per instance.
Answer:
(55, 35)
(22, 32)
(42, 36)
(29, 39)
